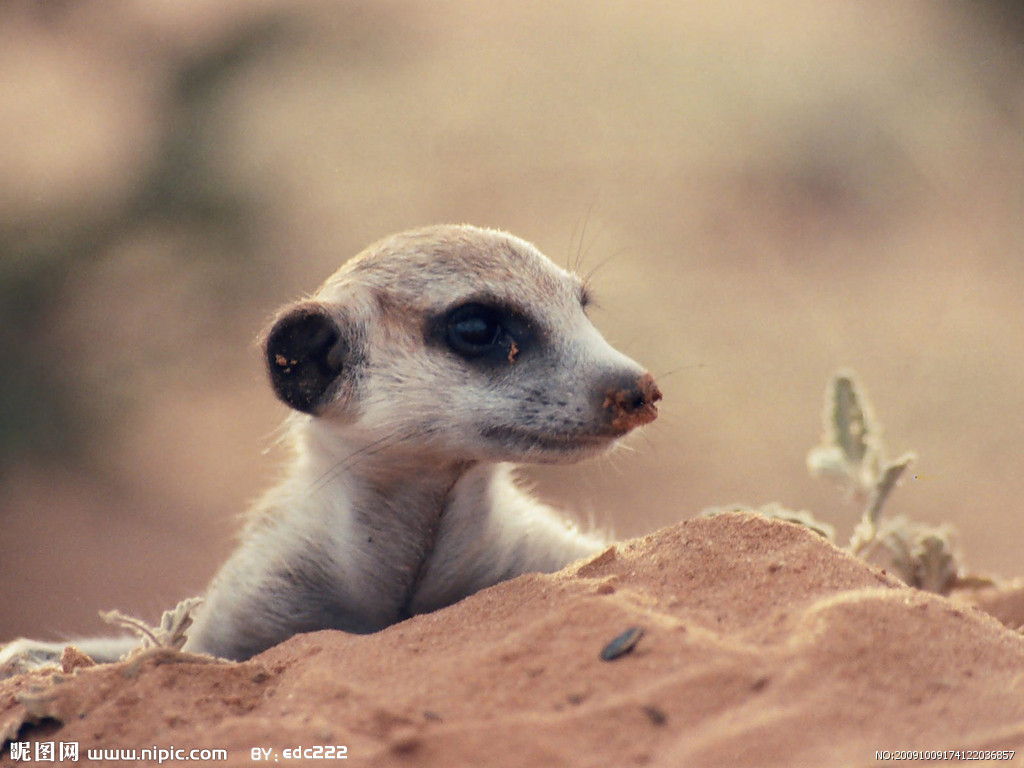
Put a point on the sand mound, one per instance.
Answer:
(762, 645)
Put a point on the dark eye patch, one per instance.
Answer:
(483, 332)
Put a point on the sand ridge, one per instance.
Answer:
(763, 645)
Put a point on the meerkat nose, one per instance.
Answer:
(631, 402)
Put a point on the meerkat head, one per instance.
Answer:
(458, 341)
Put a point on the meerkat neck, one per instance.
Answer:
(395, 496)
(374, 473)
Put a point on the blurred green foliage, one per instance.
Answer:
(49, 408)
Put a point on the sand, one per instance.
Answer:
(762, 645)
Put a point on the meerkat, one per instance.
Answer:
(417, 375)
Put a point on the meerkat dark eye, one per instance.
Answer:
(474, 329)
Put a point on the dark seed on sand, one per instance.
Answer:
(622, 644)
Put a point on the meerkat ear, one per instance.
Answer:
(306, 352)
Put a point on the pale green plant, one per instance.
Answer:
(853, 451)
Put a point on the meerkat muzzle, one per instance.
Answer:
(633, 406)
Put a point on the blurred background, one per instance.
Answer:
(764, 192)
